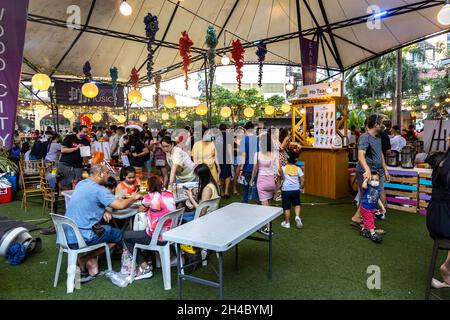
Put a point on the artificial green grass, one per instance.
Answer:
(327, 259)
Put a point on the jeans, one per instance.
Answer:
(110, 235)
(245, 193)
(148, 164)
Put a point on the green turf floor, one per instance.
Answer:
(327, 259)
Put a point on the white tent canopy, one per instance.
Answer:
(109, 39)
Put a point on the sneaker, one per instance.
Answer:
(365, 233)
(376, 238)
(286, 225)
(298, 220)
(265, 231)
(145, 273)
(86, 277)
(48, 231)
(379, 215)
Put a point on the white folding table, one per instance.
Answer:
(219, 231)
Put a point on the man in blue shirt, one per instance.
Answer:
(248, 148)
(86, 208)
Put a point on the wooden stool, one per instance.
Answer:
(439, 244)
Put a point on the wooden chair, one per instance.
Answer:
(439, 244)
(30, 180)
(48, 192)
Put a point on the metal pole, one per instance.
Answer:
(221, 275)
(270, 251)
(207, 89)
(180, 282)
(397, 117)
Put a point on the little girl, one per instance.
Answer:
(128, 182)
(293, 182)
(369, 202)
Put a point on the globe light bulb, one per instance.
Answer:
(443, 16)
(365, 107)
(225, 60)
(289, 86)
(125, 8)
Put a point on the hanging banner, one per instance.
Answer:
(13, 22)
(309, 51)
(69, 94)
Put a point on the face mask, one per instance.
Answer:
(207, 137)
(375, 183)
(82, 136)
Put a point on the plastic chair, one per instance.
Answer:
(59, 222)
(207, 207)
(162, 247)
(439, 244)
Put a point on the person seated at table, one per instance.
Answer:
(128, 182)
(111, 184)
(207, 190)
(86, 208)
(157, 203)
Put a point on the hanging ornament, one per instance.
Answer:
(170, 102)
(134, 95)
(238, 57)
(89, 89)
(249, 112)
(261, 53)
(225, 112)
(41, 81)
(151, 28)
(211, 42)
(201, 110)
(185, 53)
(157, 88)
(269, 110)
(114, 74)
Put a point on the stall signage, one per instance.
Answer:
(320, 90)
(13, 22)
(310, 54)
(69, 93)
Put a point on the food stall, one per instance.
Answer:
(319, 126)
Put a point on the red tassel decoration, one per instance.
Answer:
(134, 77)
(238, 56)
(185, 53)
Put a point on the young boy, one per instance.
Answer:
(292, 184)
(369, 201)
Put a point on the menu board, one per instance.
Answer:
(324, 125)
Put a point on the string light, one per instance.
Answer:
(125, 8)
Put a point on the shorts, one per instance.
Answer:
(225, 171)
(68, 173)
(290, 199)
(111, 235)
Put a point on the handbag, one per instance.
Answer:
(140, 221)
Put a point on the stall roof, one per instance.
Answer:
(108, 39)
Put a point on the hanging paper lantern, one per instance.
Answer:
(201, 110)
(121, 118)
(183, 114)
(68, 114)
(269, 110)
(286, 108)
(165, 116)
(41, 108)
(89, 90)
(143, 118)
(170, 102)
(134, 96)
(97, 117)
(41, 81)
(249, 112)
(225, 112)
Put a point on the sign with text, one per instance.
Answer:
(69, 94)
(309, 51)
(13, 22)
(320, 90)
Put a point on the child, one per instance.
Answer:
(128, 182)
(292, 184)
(111, 184)
(369, 201)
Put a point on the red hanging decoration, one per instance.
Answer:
(238, 56)
(185, 53)
(134, 77)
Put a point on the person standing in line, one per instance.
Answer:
(248, 148)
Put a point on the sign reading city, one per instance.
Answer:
(13, 22)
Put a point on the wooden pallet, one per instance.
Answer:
(425, 187)
(401, 191)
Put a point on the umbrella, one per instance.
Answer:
(134, 126)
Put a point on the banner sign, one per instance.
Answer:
(309, 51)
(13, 23)
(320, 90)
(69, 94)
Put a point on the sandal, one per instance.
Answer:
(355, 224)
(381, 232)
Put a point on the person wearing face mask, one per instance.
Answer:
(71, 162)
(370, 200)
(86, 208)
(370, 159)
(204, 151)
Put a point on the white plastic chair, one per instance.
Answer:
(59, 221)
(163, 248)
(207, 207)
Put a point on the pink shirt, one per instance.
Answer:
(158, 204)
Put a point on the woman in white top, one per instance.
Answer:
(54, 151)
